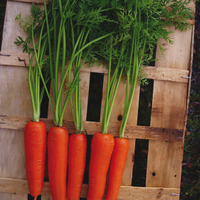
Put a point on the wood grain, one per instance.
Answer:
(156, 73)
(168, 111)
(167, 74)
(14, 100)
(177, 55)
(19, 186)
(13, 196)
(132, 131)
(10, 24)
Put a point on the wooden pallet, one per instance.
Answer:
(171, 76)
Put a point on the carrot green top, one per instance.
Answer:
(122, 33)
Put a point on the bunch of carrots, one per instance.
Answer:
(61, 38)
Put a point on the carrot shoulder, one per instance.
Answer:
(35, 153)
(101, 151)
(57, 162)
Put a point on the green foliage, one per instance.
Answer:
(35, 46)
(191, 164)
(137, 26)
(177, 13)
(31, 22)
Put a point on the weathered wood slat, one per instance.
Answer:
(30, 1)
(140, 132)
(176, 55)
(20, 186)
(14, 99)
(156, 73)
(13, 196)
(168, 110)
(167, 74)
(46, 197)
(164, 164)
(11, 29)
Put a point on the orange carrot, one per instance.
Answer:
(35, 152)
(57, 162)
(101, 150)
(117, 164)
(76, 164)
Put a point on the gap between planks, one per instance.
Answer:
(156, 73)
(190, 77)
(20, 186)
(139, 132)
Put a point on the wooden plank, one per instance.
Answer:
(46, 197)
(164, 165)
(13, 59)
(165, 158)
(169, 105)
(165, 168)
(85, 81)
(10, 24)
(139, 132)
(176, 55)
(19, 186)
(167, 74)
(30, 1)
(14, 100)
(8, 196)
(156, 73)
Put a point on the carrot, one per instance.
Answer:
(101, 150)
(57, 162)
(35, 154)
(117, 164)
(76, 164)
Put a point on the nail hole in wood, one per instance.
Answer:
(153, 174)
(119, 118)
